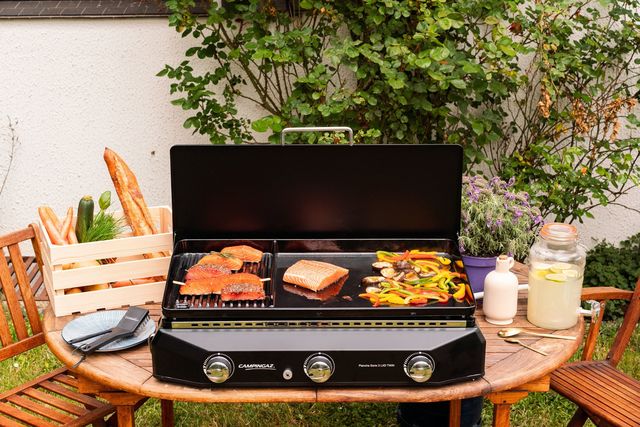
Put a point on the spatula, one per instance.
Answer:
(124, 329)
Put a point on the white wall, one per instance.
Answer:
(78, 85)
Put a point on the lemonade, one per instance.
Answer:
(556, 268)
(554, 294)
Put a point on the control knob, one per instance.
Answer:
(419, 367)
(318, 367)
(218, 368)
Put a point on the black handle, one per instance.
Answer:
(86, 337)
(89, 348)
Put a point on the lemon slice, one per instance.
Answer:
(541, 266)
(570, 273)
(540, 274)
(556, 277)
(560, 267)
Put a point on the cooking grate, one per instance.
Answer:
(213, 301)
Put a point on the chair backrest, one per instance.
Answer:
(631, 317)
(16, 335)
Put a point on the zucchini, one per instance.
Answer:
(85, 217)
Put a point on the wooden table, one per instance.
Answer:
(511, 372)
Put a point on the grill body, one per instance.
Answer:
(338, 204)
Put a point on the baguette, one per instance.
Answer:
(50, 227)
(135, 208)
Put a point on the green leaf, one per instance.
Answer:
(439, 53)
(507, 49)
(262, 125)
(396, 83)
(477, 126)
(105, 200)
(458, 83)
(491, 20)
(192, 51)
(423, 62)
(444, 23)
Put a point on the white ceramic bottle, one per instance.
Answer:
(500, 301)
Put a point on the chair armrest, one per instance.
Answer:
(605, 293)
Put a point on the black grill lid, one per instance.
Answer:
(316, 191)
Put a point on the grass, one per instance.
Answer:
(539, 409)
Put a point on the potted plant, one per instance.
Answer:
(495, 220)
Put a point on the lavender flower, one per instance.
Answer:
(496, 219)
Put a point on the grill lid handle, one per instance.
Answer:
(347, 129)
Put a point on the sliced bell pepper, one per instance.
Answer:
(469, 292)
(385, 256)
(444, 260)
(393, 299)
(459, 294)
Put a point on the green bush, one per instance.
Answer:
(541, 91)
(608, 265)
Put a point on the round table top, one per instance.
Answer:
(507, 366)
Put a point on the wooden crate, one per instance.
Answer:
(130, 264)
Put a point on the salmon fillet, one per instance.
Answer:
(205, 271)
(243, 252)
(228, 261)
(325, 294)
(242, 292)
(215, 285)
(314, 275)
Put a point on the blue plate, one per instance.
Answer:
(101, 320)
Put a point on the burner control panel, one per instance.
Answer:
(318, 357)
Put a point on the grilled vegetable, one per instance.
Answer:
(85, 217)
(381, 264)
(388, 272)
(414, 278)
(372, 280)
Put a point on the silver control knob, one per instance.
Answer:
(318, 367)
(218, 368)
(419, 367)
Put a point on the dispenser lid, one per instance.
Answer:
(316, 191)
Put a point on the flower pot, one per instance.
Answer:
(477, 269)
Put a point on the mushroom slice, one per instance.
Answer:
(388, 272)
(372, 280)
(379, 265)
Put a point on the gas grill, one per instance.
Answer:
(337, 204)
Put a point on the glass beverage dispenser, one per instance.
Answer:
(556, 271)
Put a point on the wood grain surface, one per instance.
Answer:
(507, 367)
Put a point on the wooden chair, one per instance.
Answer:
(53, 398)
(603, 393)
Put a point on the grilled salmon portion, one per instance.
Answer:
(314, 275)
(205, 271)
(325, 294)
(223, 260)
(202, 286)
(242, 292)
(243, 252)
(216, 285)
